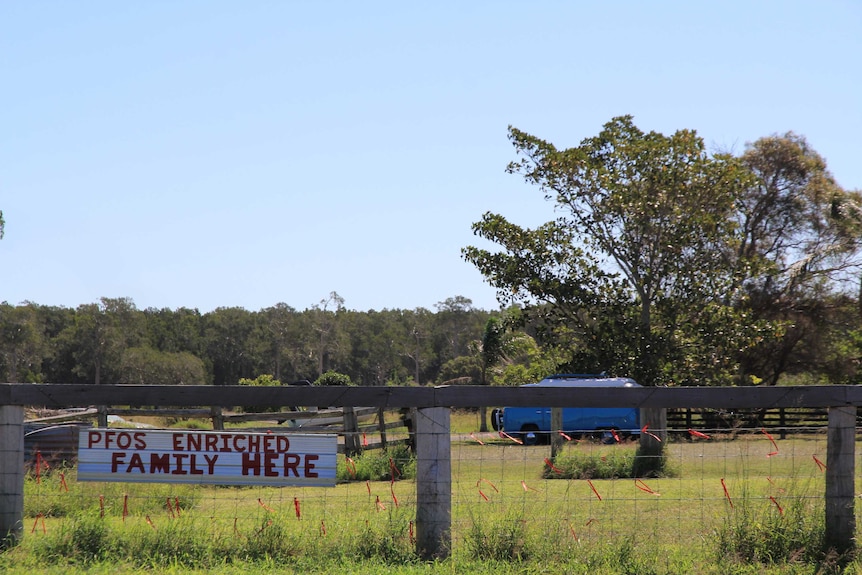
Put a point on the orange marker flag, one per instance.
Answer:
(553, 467)
(726, 494)
(36, 523)
(593, 487)
(515, 439)
(775, 445)
(780, 510)
(820, 465)
(644, 487)
(653, 435)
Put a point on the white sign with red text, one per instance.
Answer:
(207, 457)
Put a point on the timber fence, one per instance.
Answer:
(463, 480)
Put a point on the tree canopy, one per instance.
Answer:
(797, 250)
(112, 341)
(645, 270)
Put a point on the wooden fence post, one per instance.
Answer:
(433, 483)
(556, 428)
(102, 416)
(351, 431)
(650, 452)
(11, 474)
(381, 425)
(217, 416)
(840, 485)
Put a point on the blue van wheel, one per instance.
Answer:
(530, 434)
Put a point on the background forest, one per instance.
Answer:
(112, 341)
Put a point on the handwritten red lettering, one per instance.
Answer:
(136, 463)
(309, 467)
(160, 463)
(291, 462)
(178, 459)
(269, 464)
(250, 463)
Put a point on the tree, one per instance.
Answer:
(55, 327)
(283, 337)
(100, 334)
(174, 331)
(228, 335)
(454, 323)
(145, 365)
(20, 343)
(2, 224)
(414, 341)
(463, 370)
(799, 238)
(374, 354)
(493, 350)
(636, 263)
(330, 341)
(333, 378)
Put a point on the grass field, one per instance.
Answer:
(727, 505)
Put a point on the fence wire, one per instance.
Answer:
(505, 496)
(707, 477)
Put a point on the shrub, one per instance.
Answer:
(616, 462)
(503, 539)
(333, 378)
(390, 543)
(395, 462)
(759, 531)
(264, 380)
(83, 538)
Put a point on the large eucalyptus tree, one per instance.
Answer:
(798, 249)
(636, 265)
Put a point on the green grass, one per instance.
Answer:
(507, 518)
(395, 463)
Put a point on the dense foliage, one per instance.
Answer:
(114, 342)
(680, 267)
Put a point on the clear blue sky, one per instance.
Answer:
(220, 153)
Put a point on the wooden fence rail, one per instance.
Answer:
(432, 411)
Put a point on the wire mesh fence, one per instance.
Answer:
(508, 499)
(587, 494)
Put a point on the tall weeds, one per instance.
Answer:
(768, 531)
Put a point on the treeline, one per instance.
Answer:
(114, 342)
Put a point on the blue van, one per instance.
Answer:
(533, 424)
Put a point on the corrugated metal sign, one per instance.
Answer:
(207, 457)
